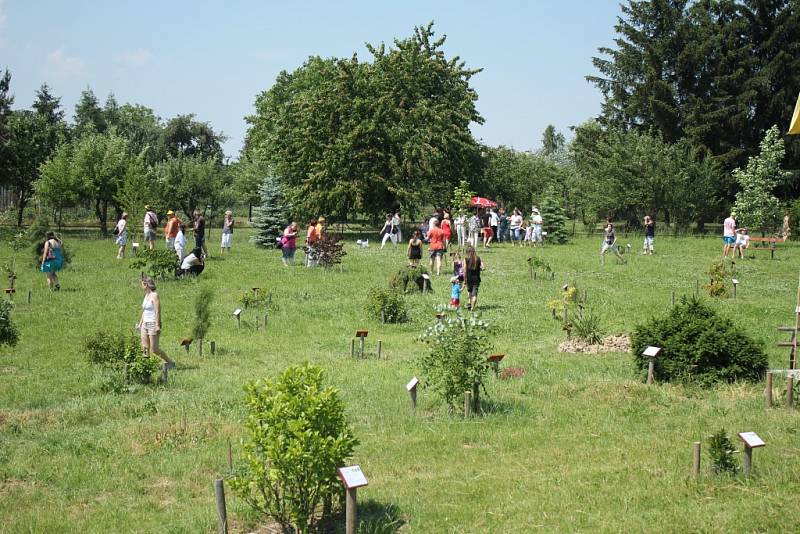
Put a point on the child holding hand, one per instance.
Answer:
(455, 293)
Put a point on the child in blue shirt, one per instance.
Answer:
(455, 293)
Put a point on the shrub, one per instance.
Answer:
(298, 436)
(722, 453)
(156, 263)
(9, 335)
(555, 221)
(698, 346)
(409, 279)
(387, 305)
(256, 299)
(122, 356)
(586, 326)
(456, 361)
(202, 313)
(716, 287)
(328, 251)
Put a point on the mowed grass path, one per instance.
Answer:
(578, 443)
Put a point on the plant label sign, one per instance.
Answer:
(651, 352)
(496, 357)
(735, 281)
(352, 477)
(751, 439)
(412, 384)
(361, 333)
(237, 312)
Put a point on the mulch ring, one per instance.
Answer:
(616, 343)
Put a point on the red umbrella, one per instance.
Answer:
(480, 202)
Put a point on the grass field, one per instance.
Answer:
(578, 443)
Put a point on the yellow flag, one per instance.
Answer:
(794, 127)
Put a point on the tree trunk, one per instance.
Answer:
(22, 203)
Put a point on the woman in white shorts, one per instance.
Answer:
(150, 323)
(742, 242)
(227, 232)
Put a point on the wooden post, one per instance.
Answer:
(200, 347)
(222, 513)
(351, 512)
(238, 322)
(467, 403)
(413, 393)
(650, 370)
(769, 389)
(29, 296)
(696, 288)
(266, 318)
(361, 346)
(380, 348)
(534, 275)
(383, 316)
(585, 296)
(213, 348)
(230, 457)
(696, 458)
(673, 297)
(748, 460)
(790, 392)
(552, 275)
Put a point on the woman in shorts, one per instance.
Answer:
(150, 323)
(473, 267)
(610, 243)
(121, 230)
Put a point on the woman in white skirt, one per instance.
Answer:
(227, 231)
(121, 232)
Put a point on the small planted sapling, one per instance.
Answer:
(202, 315)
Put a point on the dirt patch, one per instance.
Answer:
(616, 343)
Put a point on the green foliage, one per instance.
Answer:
(36, 235)
(9, 335)
(202, 312)
(122, 356)
(409, 279)
(462, 194)
(386, 305)
(353, 137)
(555, 221)
(257, 299)
(298, 436)
(156, 263)
(191, 182)
(698, 346)
(586, 325)
(185, 137)
(717, 286)
(272, 216)
(722, 454)
(537, 262)
(756, 206)
(456, 360)
(329, 250)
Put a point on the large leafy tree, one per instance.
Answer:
(185, 136)
(6, 101)
(347, 136)
(59, 186)
(191, 182)
(89, 116)
(142, 128)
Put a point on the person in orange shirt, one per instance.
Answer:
(436, 245)
(171, 229)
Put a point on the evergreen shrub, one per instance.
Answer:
(698, 346)
(122, 356)
(409, 279)
(386, 305)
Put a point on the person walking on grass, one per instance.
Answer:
(199, 229)
(436, 246)
(729, 235)
(536, 222)
(610, 243)
(414, 251)
(388, 231)
(649, 235)
(461, 229)
(473, 266)
(488, 235)
(311, 239)
(227, 232)
(474, 229)
(180, 241)
(121, 231)
(289, 244)
(494, 222)
(455, 293)
(150, 226)
(447, 228)
(171, 229)
(515, 225)
(149, 324)
(52, 260)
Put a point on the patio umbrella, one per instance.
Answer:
(794, 126)
(480, 202)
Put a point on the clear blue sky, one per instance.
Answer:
(213, 58)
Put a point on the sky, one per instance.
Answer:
(213, 58)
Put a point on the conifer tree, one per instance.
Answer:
(272, 215)
(554, 220)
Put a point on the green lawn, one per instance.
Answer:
(578, 443)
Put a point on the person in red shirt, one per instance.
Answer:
(447, 228)
(436, 245)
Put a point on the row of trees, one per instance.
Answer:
(113, 157)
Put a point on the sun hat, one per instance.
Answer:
(454, 280)
(170, 212)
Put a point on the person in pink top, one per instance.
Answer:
(728, 234)
(436, 245)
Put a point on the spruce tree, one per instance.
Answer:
(554, 220)
(272, 216)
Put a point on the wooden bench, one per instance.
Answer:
(766, 243)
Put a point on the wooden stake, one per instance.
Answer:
(350, 512)
(230, 457)
(696, 288)
(696, 458)
(361, 346)
(413, 393)
(790, 392)
(29, 296)
(673, 297)
(748, 460)
(467, 403)
(266, 318)
(222, 513)
(380, 348)
(200, 347)
(352, 348)
(213, 347)
(769, 389)
(650, 370)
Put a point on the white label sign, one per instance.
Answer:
(412, 384)
(425, 276)
(652, 351)
(735, 281)
(237, 312)
(352, 477)
(751, 439)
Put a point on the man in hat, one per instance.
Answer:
(150, 225)
(171, 229)
(537, 222)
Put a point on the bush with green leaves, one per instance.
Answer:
(202, 313)
(122, 356)
(409, 279)
(156, 263)
(297, 437)
(456, 360)
(722, 454)
(9, 335)
(717, 286)
(554, 220)
(586, 325)
(258, 300)
(386, 305)
(699, 346)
